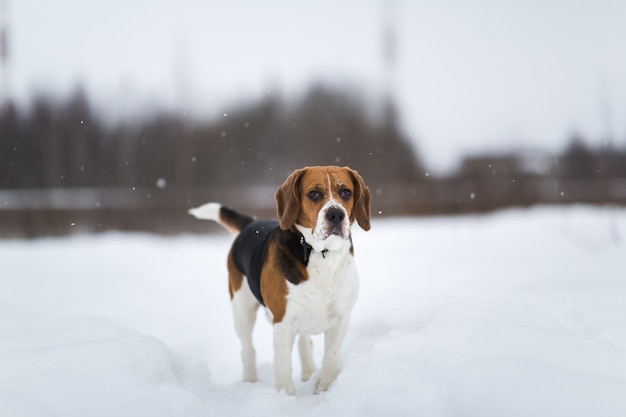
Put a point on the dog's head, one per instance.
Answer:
(325, 201)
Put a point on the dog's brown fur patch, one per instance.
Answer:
(235, 277)
(274, 285)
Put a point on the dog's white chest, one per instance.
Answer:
(329, 294)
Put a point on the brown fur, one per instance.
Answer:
(235, 277)
(288, 200)
(362, 200)
(274, 285)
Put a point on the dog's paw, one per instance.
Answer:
(327, 377)
(322, 386)
(307, 373)
(249, 375)
(250, 378)
(285, 383)
(289, 388)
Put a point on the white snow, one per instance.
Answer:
(518, 313)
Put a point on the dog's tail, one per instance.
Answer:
(228, 218)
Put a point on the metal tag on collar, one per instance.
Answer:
(307, 249)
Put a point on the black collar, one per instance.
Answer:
(307, 249)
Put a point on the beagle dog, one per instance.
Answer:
(301, 268)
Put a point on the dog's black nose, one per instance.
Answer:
(335, 215)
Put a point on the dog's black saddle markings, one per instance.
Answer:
(251, 247)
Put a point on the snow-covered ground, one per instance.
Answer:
(517, 313)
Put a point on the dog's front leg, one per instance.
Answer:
(332, 345)
(305, 346)
(284, 338)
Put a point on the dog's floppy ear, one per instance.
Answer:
(288, 200)
(362, 200)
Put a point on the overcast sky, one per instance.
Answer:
(470, 75)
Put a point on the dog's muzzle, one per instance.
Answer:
(335, 217)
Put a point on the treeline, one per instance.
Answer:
(64, 144)
(578, 161)
(63, 168)
(579, 174)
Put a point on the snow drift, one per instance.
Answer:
(517, 313)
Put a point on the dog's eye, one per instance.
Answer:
(345, 194)
(315, 195)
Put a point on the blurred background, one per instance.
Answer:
(122, 114)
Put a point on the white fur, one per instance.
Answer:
(321, 304)
(208, 211)
(245, 307)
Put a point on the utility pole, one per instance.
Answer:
(389, 58)
(4, 55)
